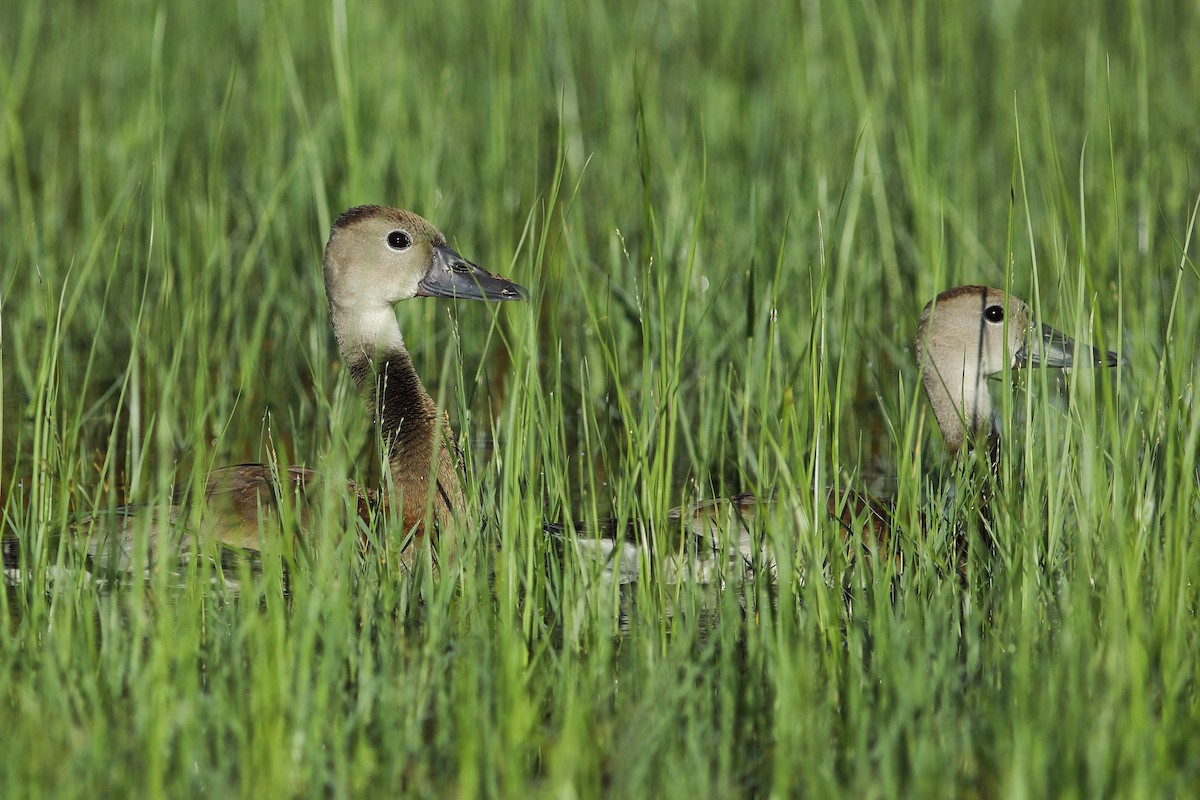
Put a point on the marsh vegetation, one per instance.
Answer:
(730, 217)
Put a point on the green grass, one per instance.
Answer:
(730, 215)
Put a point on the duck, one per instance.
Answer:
(965, 336)
(375, 257)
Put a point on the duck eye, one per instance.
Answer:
(399, 240)
(994, 314)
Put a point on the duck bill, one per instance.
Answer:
(1055, 349)
(454, 277)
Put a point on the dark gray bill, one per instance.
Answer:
(1056, 349)
(453, 276)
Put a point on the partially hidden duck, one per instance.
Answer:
(375, 258)
(965, 336)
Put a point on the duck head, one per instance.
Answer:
(378, 256)
(971, 333)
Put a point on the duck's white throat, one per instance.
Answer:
(369, 332)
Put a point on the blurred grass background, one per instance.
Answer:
(731, 216)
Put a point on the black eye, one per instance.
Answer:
(399, 240)
(994, 314)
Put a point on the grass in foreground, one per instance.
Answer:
(732, 221)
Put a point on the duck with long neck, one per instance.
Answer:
(970, 334)
(965, 336)
(375, 258)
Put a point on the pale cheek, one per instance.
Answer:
(406, 288)
(990, 361)
(386, 287)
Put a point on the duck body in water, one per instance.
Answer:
(965, 336)
(375, 257)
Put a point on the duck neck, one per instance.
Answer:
(977, 479)
(417, 440)
(961, 403)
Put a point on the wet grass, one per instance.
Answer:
(730, 218)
